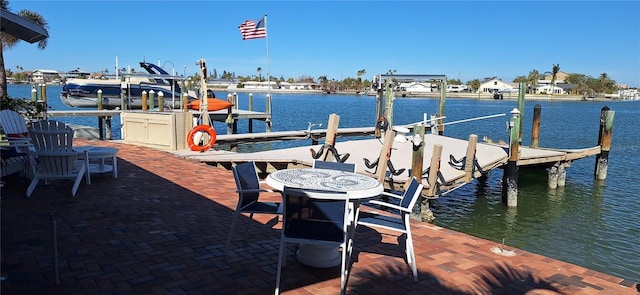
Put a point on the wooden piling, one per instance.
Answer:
(144, 101)
(510, 176)
(379, 113)
(152, 96)
(535, 129)
(434, 168)
(250, 101)
(330, 139)
(229, 119)
(268, 111)
(385, 155)
(34, 94)
(100, 118)
(470, 157)
(443, 96)
(418, 152)
(160, 101)
(185, 102)
(604, 141)
(123, 95)
(522, 89)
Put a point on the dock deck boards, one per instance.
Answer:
(489, 156)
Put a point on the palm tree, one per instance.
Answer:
(259, 74)
(554, 75)
(532, 79)
(7, 41)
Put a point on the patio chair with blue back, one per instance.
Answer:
(249, 187)
(313, 217)
(398, 220)
(348, 167)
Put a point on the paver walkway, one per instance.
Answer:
(160, 228)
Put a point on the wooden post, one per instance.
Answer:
(385, 155)
(535, 130)
(160, 101)
(521, 109)
(107, 129)
(379, 113)
(510, 177)
(43, 94)
(562, 173)
(99, 102)
(235, 100)
(604, 141)
(389, 98)
(417, 158)
(229, 119)
(443, 96)
(330, 139)
(250, 101)
(123, 94)
(434, 168)
(434, 124)
(470, 157)
(144, 100)
(152, 95)
(268, 107)
(553, 176)
(185, 102)
(34, 94)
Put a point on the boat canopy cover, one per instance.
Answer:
(21, 28)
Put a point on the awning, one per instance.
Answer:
(22, 28)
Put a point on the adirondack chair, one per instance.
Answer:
(13, 125)
(15, 143)
(54, 156)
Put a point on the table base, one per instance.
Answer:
(321, 256)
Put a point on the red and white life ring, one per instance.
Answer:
(196, 146)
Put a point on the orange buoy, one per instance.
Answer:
(213, 104)
(201, 128)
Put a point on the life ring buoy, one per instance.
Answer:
(201, 128)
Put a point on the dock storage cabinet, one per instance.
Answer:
(161, 130)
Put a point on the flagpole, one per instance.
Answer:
(268, 65)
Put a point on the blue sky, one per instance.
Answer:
(461, 39)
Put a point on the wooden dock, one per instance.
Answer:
(488, 156)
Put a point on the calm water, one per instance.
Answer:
(589, 223)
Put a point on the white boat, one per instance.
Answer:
(83, 93)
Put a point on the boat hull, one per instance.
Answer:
(84, 94)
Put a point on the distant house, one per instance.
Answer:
(549, 89)
(560, 76)
(495, 86)
(44, 76)
(77, 73)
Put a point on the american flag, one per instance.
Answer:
(251, 29)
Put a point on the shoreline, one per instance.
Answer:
(451, 95)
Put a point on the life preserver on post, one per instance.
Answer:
(196, 146)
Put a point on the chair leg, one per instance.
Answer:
(230, 234)
(411, 256)
(281, 263)
(32, 185)
(76, 183)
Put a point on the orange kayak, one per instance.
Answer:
(213, 104)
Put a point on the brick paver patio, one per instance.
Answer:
(161, 226)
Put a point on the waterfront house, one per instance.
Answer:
(40, 76)
(495, 86)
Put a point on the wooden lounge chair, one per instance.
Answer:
(54, 156)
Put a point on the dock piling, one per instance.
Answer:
(160, 101)
(510, 177)
(443, 96)
(535, 130)
(144, 101)
(604, 141)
